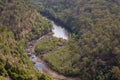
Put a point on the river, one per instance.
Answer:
(39, 64)
(59, 31)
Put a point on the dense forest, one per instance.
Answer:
(19, 23)
(93, 50)
(91, 53)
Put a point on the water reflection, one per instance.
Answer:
(59, 31)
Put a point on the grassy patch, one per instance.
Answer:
(62, 61)
(47, 45)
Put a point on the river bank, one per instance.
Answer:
(40, 64)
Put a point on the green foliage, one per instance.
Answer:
(46, 45)
(3, 72)
(17, 19)
(63, 64)
(116, 73)
(44, 77)
(22, 19)
(95, 24)
(40, 27)
(2, 78)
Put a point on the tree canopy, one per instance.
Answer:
(94, 49)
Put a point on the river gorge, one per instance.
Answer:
(39, 63)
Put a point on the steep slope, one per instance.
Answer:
(19, 22)
(94, 49)
(21, 17)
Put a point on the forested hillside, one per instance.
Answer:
(19, 23)
(93, 51)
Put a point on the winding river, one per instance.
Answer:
(39, 63)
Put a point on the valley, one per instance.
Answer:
(39, 62)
